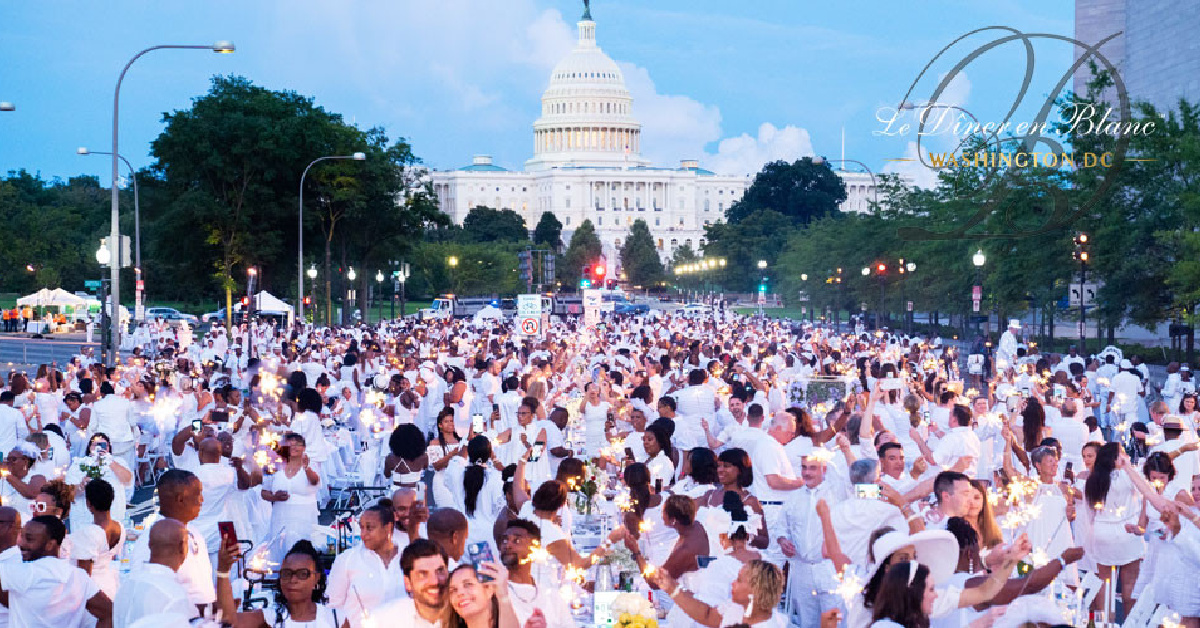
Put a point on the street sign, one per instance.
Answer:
(910, 306)
(977, 293)
(92, 284)
(531, 326)
(593, 301)
(529, 305)
(974, 305)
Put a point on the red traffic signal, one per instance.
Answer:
(308, 300)
(882, 268)
(245, 301)
(599, 271)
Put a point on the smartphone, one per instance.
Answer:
(197, 424)
(866, 491)
(478, 553)
(1060, 392)
(228, 532)
(629, 453)
(477, 423)
(1069, 472)
(704, 561)
(220, 416)
(535, 452)
(100, 446)
(420, 491)
(495, 407)
(658, 485)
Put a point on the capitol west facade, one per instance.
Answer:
(587, 165)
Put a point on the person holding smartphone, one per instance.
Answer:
(292, 492)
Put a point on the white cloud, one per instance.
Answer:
(746, 155)
(673, 127)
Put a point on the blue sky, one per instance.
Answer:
(733, 84)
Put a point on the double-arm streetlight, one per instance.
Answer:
(221, 47)
(137, 228)
(300, 230)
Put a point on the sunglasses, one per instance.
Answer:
(299, 574)
(39, 506)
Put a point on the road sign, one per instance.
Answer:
(531, 326)
(529, 305)
(975, 305)
(593, 301)
(910, 306)
(92, 284)
(976, 292)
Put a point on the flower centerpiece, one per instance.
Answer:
(634, 611)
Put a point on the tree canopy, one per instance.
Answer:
(639, 256)
(484, 224)
(548, 231)
(801, 191)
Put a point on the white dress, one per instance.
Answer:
(90, 542)
(488, 503)
(293, 519)
(325, 618)
(594, 418)
(1108, 542)
(74, 476)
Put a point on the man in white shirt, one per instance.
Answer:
(153, 588)
(113, 415)
(774, 476)
(45, 590)
(180, 497)
(424, 565)
(959, 449)
(220, 484)
(1125, 390)
(694, 403)
(855, 519)
(801, 541)
(11, 421)
(527, 596)
(1071, 434)
(953, 492)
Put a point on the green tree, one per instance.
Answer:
(683, 255)
(583, 249)
(801, 191)
(484, 224)
(762, 235)
(639, 256)
(233, 162)
(548, 232)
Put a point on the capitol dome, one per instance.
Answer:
(587, 117)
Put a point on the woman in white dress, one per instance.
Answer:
(595, 416)
(485, 387)
(478, 491)
(1114, 504)
(657, 442)
(76, 421)
(754, 598)
(299, 602)
(292, 492)
(95, 545)
(1160, 472)
(108, 467)
(458, 398)
(18, 487)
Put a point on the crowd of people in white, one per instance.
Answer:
(744, 471)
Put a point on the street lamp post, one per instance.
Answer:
(115, 230)
(312, 276)
(979, 259)
(452, 262)
(1081, 254)
(379, 286)
(905, 269)
(300, 228)
(762, 295)
(139, 290)
(351, 277)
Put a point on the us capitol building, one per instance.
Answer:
(587, 165)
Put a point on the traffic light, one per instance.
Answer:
(599, 272)
(245, 302)
(548, 268)
(308, 300)
(881, 268)
(584, 284)
(524, 266)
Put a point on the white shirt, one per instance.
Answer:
(1125, 387)
(403, 612)
(150, 589)
(48, 592)
(219, 487)
(769, 458)
(10, 420)
(10, 555)
(113, 415)
(527, 597)
(196, 572)
(960, 442)
(360, 581)
(855, 520)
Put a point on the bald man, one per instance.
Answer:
(153, 588)
(221, 484)
(448, 528)
(409, 515)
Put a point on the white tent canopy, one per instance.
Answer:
(267, 303)
(52, 298)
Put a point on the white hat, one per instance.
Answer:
(936, 549)
(1126, 364)
(1012, 322)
